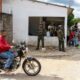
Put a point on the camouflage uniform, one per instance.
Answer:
(41, 32)
(60, 34)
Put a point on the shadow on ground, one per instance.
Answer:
(75, 57)
(21, 76)
(72, 54)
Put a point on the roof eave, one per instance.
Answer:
(47, 3)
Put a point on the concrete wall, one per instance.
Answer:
(0, 14)
(7, 25)
(0, 6)
(48, 41)
(7, 6)
(1, 25)
(22, 9)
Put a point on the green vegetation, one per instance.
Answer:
(72, 20)
(76, 20)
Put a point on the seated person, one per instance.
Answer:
(4, 50)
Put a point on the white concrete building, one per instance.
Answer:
(23, 10)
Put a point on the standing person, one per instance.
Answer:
(60, 34)
(71, 38)
(4, 50)
(41, 32)
(50, 27)
(76, 27)
(76, 39)
(79, 38)
(48, 33)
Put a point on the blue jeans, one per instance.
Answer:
(75, 41)
(9, 58)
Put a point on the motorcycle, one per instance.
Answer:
(31, 66)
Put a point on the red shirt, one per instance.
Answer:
(4, 46)
(71, 35)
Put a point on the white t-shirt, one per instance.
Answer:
(48, 33)
(49, 27)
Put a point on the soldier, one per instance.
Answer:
(60, 34)
(41, 31)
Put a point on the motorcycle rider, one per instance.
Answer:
(4, 50)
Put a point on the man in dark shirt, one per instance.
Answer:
(41, 31)
(60, 34)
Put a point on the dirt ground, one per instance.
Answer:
(55, 66)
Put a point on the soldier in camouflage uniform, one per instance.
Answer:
(60, 34)
(41, 31)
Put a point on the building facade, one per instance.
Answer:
(27, 12)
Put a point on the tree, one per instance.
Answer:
(76, 20)
(70, 20)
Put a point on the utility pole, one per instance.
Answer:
(69, 5)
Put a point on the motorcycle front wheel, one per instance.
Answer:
(31, 67)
